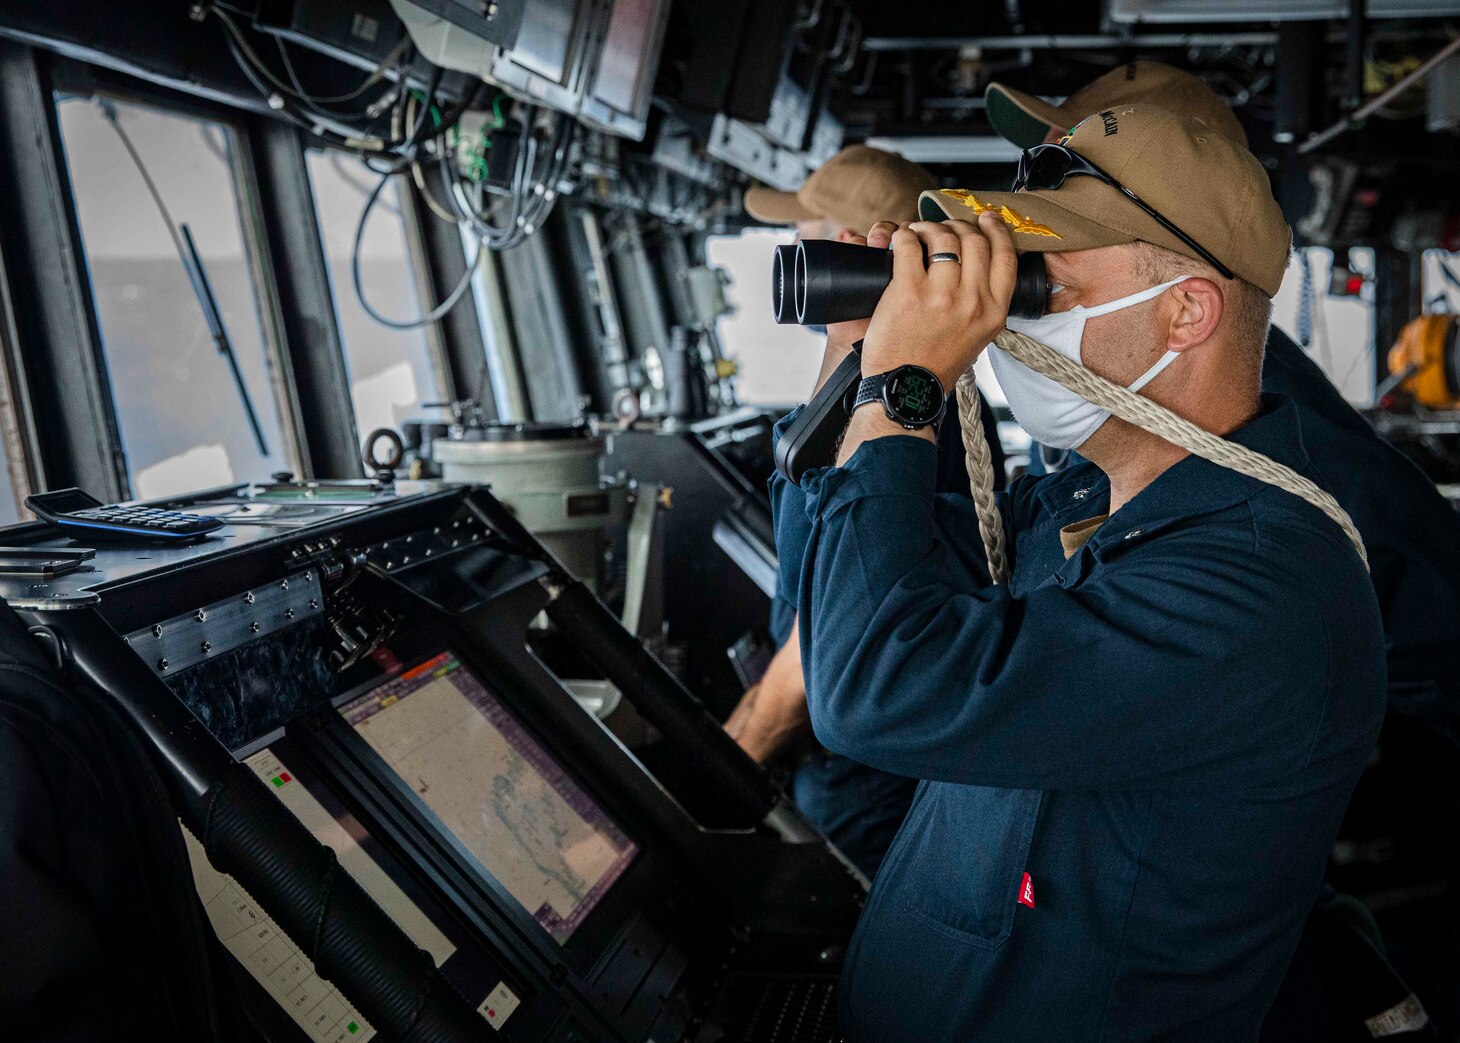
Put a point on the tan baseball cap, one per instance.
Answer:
(856, 188)
(1025, 119)
(1209, 186)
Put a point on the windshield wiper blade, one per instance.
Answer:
(192, 262)
(203, 290)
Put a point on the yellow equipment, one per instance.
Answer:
(1425, 360)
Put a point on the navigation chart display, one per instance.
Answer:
(530, 826)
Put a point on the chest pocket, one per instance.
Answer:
(963, 858)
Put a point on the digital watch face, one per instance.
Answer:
(914, 395)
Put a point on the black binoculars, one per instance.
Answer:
(821, 281)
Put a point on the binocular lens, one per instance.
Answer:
(782, 290)
(838, 282)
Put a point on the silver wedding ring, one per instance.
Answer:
(945, 257)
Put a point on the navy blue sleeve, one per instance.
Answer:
(1412, 534)
(788, 515)
(1188, 659)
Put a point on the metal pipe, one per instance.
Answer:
(1062, 41)
(1354, 50)
(1299, 80)
(1360, 114)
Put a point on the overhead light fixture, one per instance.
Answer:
(952, 148)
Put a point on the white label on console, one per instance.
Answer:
(274, 961)
(498, 1006)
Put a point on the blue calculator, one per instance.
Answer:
(84, 517)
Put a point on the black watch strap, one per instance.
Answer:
(869, 390)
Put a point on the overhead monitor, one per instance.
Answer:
(623, 81)
(545, 40)
(495, 788)
(555, 48)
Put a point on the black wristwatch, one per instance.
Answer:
(911, 395)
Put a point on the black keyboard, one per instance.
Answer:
(84, 517)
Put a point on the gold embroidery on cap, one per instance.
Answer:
(1016, 221)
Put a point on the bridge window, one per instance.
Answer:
(12, 471)
(1441, 281)
(393, 372)
(183, 406)
(777, 364)
(1337, 329)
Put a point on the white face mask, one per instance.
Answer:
(1054, 415)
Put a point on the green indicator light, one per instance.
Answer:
(352, 1028)
(277, 781)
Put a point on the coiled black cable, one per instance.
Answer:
(248, 834)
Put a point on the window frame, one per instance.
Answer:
(421, 257)
(18, 439)
(62, 399)
(248, 179)
(56, 353)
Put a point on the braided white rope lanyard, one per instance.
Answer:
(1133, 408)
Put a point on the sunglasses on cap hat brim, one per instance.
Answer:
(1045, 168)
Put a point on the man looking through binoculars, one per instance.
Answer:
(1138, 749)
(1412, 534)
(858, 807)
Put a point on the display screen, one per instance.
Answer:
(67, 501)
(912, 395)
(621, 69)
(499, 792)
(545, 40)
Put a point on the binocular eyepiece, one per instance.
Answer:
(821, 281)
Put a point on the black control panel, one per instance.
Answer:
(378, 670)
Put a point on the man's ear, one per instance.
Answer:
(1199, 304)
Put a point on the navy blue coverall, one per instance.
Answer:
(1411, 532)
(1413, 539)
(860, 808)
(1137, 757)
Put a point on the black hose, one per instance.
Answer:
(251, 836)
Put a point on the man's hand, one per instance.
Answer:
(843, 335)
(772, 715)
(840, 336)
(942, 315)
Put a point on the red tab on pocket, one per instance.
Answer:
(1026, 891)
